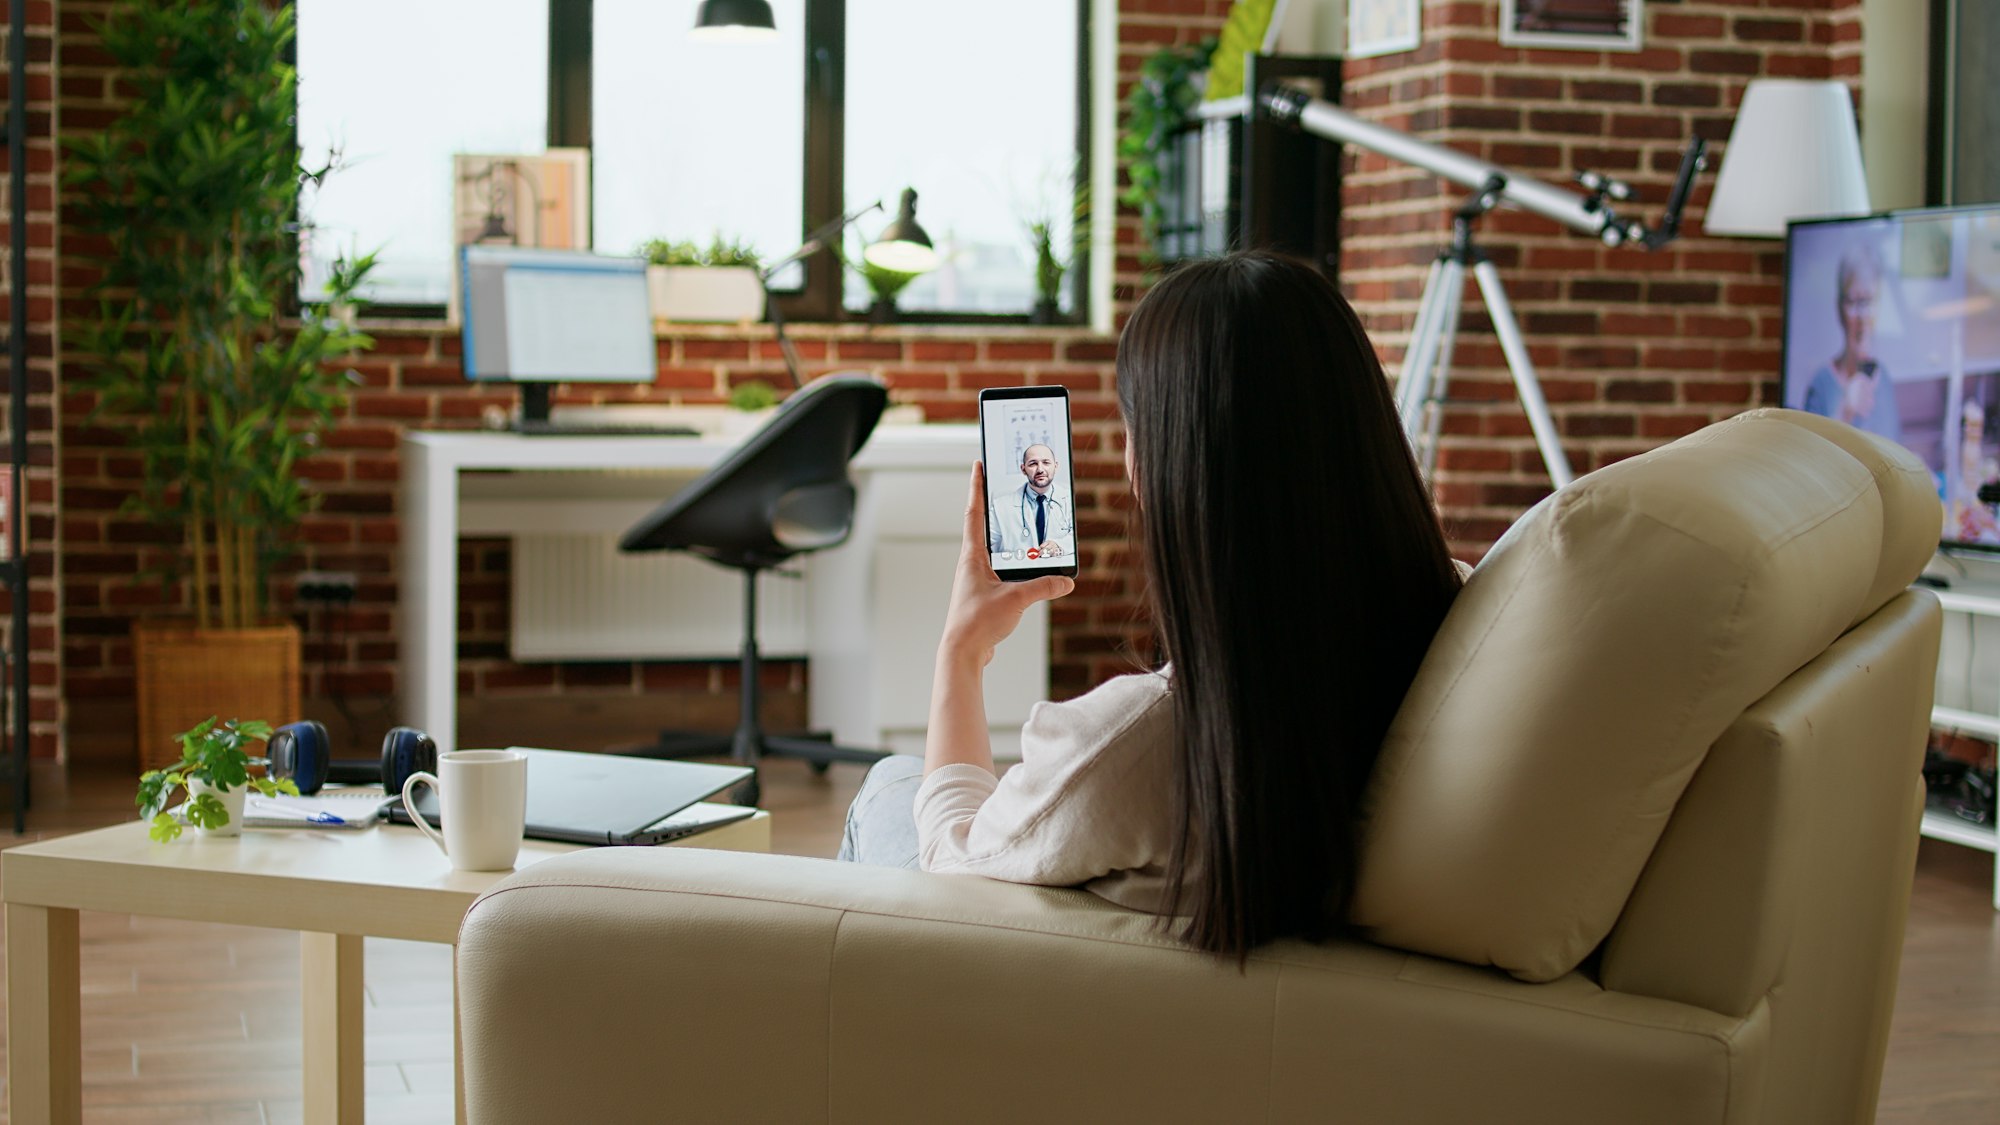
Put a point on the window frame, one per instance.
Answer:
(820, 298)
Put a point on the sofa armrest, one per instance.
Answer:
(643, 984)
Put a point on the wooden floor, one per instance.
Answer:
(185, 1022)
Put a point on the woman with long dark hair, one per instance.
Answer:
(1295, 572)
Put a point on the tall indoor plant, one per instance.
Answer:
(193, 194)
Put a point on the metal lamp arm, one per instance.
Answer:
(817, 240)
(814, 243)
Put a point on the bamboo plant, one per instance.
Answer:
(192, 196)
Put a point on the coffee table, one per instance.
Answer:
(334, 887)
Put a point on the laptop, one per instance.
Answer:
(612, 799)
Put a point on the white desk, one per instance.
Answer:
(875, 605)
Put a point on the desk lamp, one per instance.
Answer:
(903, 245)
(1793, 154)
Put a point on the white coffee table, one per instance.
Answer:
(335, 887)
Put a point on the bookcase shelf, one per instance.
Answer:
(1234, 179)
(13, 503)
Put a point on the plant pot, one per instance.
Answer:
(232, 799)
(1045, 312)
(883, 311)
(721, 294)
(185, 674)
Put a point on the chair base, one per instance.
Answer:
(749, 748)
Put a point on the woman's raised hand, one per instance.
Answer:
(984, 610)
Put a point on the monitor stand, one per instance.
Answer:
(534, 406)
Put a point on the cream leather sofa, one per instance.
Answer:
(1639, 850)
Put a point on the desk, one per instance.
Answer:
(875, 605)
(333, 887)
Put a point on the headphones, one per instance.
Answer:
(302, 752)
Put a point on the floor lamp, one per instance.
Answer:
(1427, 365)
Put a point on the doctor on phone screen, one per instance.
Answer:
(1036, 514)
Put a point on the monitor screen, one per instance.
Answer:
(1892, 324)
(555, 316)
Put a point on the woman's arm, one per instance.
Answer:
(984, 611)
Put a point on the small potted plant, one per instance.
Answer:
(716, 283)
(1049, 272)
(215, 770)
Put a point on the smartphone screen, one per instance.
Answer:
(1030, 492)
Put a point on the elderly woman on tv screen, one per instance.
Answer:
(1852, 385)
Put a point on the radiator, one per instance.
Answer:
(576, 597)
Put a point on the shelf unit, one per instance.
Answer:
(1234, 179)
(1974, 601)
(14, 569)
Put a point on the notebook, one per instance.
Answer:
(613, 798)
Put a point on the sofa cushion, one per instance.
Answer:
(1601, 647)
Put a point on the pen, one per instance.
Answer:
(297, 814)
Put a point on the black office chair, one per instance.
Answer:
(782, 493)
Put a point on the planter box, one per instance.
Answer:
(726, 294)
(185, 674)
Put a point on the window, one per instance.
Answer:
(986, 134)
(854, 101)
(731, 164)
(395, 107)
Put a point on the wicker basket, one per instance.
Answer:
(186, 674)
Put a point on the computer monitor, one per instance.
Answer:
(1892, 323)
(541, 317)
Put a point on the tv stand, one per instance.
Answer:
(1972, 598)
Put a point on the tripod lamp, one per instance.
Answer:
(1427, 364)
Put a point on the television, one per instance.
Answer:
(541, 317)
(1892, 323)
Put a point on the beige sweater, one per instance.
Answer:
(1089, 804)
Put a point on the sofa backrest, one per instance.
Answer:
(1603, 645)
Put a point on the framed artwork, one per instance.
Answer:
(1586, 25)
(1382, 27)
(539, 200)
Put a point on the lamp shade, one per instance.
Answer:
(737, 21)
(1793, 154)
(903, 246)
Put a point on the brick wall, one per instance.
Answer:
(1633, 347)
(44, 596)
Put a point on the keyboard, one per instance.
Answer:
(604, 427)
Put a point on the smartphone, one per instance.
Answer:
(1030, 492)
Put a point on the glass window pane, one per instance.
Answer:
(696, 139)
(397, 107)
(987, 137)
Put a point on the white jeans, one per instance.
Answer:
(882, 821)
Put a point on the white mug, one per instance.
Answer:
(482, 803)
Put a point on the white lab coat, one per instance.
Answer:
(1013, 525)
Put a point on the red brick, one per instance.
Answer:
(943, 351)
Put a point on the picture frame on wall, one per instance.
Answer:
(1383, 27)
(535, 200)
(1584, 25)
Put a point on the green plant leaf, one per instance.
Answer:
(206, 810)
(165, 829)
